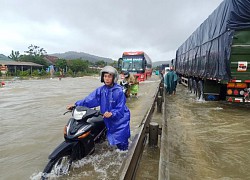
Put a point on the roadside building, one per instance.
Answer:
(10, 66)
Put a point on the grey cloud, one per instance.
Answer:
(108, 27)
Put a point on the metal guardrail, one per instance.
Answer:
(129, 166)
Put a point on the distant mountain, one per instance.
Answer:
(81, 55)
(4, 58)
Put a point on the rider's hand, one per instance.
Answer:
(107, 114)
(70, 106)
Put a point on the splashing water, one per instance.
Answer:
(105, 162)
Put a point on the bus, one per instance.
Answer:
(137, 63)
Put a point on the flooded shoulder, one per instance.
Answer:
(207, 140)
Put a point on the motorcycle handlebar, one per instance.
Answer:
(70, 109)
(73, 107)
(67, 112)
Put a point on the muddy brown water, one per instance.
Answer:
(32, 121)
(204, 140)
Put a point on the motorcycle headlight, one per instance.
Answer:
(77, 115)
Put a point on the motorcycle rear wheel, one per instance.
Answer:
(58, 166)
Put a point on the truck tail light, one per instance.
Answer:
(229, 91)
(236, 92)
(241, 85)
(242, 92)
(230, 85)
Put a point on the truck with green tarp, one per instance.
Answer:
(214, 61)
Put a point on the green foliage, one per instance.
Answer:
(61, 63)
(93, 71)
(18, 73)
(25, 73)
(14, 55)
(78, 65)
(36, 73)
(34, 59)
(57, 73)
(43, 72)
(35, 51)
(35, 54)
(0, 73)
(79, 74)
(101, 63)
(114, 64)
(70, 73)
(8, 73)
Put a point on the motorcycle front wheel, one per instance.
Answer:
(58, 166)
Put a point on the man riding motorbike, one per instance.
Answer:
(132, 82)
(112, 102)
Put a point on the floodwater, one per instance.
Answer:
(206, 140)
(32, 122)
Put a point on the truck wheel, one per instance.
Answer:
(190, 84)
(194, 87)
(200, 90)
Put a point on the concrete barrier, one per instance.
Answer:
(153, 133)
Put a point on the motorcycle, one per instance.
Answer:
(125, 86)
(85, 128)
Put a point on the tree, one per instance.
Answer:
(34, 59)
(78, 65)
(35, 54)
(114, 64)
(15, 55)
(61, 63)
(101, 63)
(35, 51)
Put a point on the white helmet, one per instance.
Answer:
(110, 70)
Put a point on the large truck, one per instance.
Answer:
(214, 61)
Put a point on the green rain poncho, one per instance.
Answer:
(170, 81)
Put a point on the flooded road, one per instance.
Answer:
(206, 140)
(32, 122)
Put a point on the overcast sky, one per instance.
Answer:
(103, 28)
